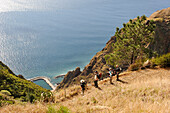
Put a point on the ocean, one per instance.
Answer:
(52, 37)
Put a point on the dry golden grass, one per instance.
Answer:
(24, 108)
(141, 91)
(146, 91)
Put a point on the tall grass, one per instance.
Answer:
(144, 91)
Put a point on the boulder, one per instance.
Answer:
(21, 76)
(147, 64)
(69, 77)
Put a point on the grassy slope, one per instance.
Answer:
(16, 86)
(144, 91)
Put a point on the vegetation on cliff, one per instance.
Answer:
(132, 42)
(162, 61)
(17, 87)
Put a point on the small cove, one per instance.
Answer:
(43, 84)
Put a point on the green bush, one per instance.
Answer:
(63, 109)
(47, 97)
(135, 66)
(10, 102)
(94, 100)
(51, 109)
(162, 61)
(5, 92)
(6, 100)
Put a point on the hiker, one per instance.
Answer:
(83, 86)
(96, 78)
(117, 70)
(111, 74)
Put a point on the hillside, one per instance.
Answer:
(161, 45)
(18, 87)
(138, 91)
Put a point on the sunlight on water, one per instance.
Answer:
(25, 5)
(41, 5)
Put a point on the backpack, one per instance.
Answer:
(83, 84)
(99, 75)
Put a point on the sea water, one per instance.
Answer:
(51, 37)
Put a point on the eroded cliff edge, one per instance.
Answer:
(161, 44)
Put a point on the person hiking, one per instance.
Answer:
(117, 70)
(111, 74)
(96, 78)
(83, 86)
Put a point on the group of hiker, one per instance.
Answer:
(97, 76)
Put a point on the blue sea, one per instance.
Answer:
(52, 37)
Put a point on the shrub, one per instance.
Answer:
(10, 102)
(6, 100)
(94, 100)
(135, 66)
(63, 109)
(51, 109)
(162, 61)
(159, 19)
(5, 92)
(47, 97)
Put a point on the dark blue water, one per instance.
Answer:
(51, 37)
(43, 83)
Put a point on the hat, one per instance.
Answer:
(81, 81)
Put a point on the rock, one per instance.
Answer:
(162, 31)
(69, 77)
(21, 76)
(147, 64)
(164, 13)
(76, 72)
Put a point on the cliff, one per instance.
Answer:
(69, 77)
(161, 45)
(162, 31)
(17, 86)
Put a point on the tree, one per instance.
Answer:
(132, 42)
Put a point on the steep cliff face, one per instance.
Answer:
(17, 85)
(69, 78)
(97, 63)
(162, 31)
(161, 45)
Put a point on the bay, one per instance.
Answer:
(52, 37)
